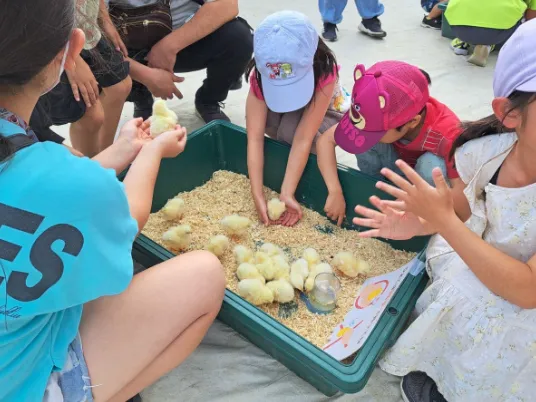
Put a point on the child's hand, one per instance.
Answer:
(293, 213)
(171, 143)
(335, 207)
(262, 209)
(434, 204)
(387, 222)
(83, 82)
(134, 135)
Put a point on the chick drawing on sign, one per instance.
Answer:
(344, 335)
(370, 294)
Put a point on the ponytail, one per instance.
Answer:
(492, 125)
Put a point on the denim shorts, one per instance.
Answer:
(427, 5)
(72, 384)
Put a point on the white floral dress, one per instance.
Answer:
(474, 344)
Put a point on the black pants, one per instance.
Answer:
(224, 54)
(483, 36)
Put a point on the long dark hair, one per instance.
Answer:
(324, 64)
(32, 33)
(492, 125)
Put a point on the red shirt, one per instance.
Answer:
(441, 127)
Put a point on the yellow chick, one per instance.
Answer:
(267, 269)
(261, 257)
(243, 254)
(282, 269)
(282, 290)
(178, 237)
(317, 270)
(218, 244)
(235, 225)
(162, 119)
(248, 271)
(350, 265)
(255, 292)
(174, 209)
(276, 208)
(299, 271)
(271, 249)
(311, 256)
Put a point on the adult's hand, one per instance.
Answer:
(161, 83)
(163, 55)
(83, 83)
(111, 32)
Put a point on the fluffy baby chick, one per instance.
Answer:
(317, 270)
(248, 271)
(242, 254)
(299, 271)
(178, 237)
(267, 269)
(162, 119)
(282, 290)
(260, 257)
(218, 244)
(235, 225)
(282, 269)
(311, 256)
(271, 249)
(255, 292)
(350, 265)
(174, 209)
(276, 208)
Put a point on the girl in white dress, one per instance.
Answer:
(474, 338)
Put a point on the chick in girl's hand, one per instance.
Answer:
(249, 271)
(235, 225)
(178, 237)
(162, 119)
(174, 209)
(271, 249)
(218, 244)
(243, 254)
(311, 256)
(276, 208)
(255, 292)
(317, 270)
(350, 265)
(299, 271)
(282, 290)
(282, 269)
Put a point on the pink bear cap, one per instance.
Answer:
(387, 95)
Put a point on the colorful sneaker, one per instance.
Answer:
(330, 32)
(460, 47)
(434, 23)
(418, 387)
(480, 55)
(372, 27)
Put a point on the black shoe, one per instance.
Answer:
(211, 112)
(330, 32)
(136, 398)
(372, 27)
(236, 85)
(143, 109)
(418, 387)
(433, 23)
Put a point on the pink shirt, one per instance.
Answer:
(254, 85)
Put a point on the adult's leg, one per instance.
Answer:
(376, 158)
(369, 8)
(426, 163)
(483, 36)
(112, 99)
(225, 54)
(132, 339)
(331, 10)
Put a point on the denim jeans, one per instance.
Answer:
(331, 10)
(385, 155)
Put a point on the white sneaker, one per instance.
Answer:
(480, 55)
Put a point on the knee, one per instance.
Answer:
(239, 39)
(121, 90)
(209, 277)
(93, 119)
(426, 163)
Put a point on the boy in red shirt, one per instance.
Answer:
(392, 117)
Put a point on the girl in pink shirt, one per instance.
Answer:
(294, 97)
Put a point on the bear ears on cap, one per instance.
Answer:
(359, 73)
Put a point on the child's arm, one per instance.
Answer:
(301, 147)
(256, 114)
(327, 163)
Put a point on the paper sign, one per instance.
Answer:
(349, 335)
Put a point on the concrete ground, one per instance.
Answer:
(228, 368)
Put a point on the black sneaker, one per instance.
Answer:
(418, 387)
(431, 23)
(372, 27)
(211, 112)
(136, 398)
(330, 32)
(235, 86)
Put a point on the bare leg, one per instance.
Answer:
(113, 99)
(132, 339)
(435, 12)
(84, 133)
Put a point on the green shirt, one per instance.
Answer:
(495, 14)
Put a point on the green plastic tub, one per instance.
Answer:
(446, 30)
(221, 145)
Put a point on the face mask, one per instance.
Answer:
(62, 69)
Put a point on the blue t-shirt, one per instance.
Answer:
(66, 238)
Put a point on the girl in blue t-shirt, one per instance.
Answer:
(74, 323)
